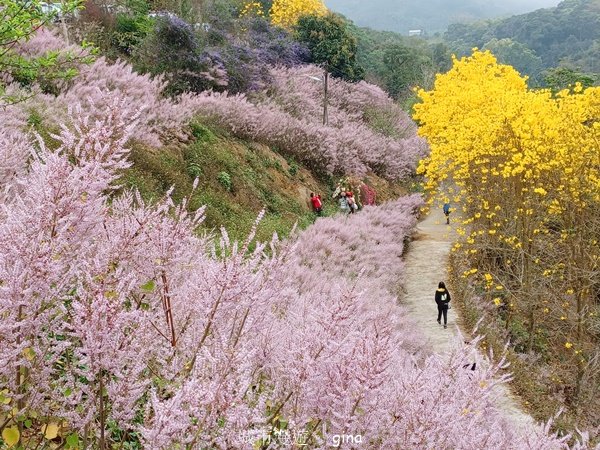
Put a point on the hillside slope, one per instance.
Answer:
(237, 179)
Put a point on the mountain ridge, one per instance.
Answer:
(432, 16)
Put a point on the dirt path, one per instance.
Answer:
(426, 264)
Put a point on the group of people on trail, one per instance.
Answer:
(344, 196)
(347, 202)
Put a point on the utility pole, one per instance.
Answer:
(325, 81)
(325, 99)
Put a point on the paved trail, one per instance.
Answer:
(426, 265)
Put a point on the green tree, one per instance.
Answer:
(332, 44)
(522, 58)
(441, 57)
(405, 67)
(562, 77)
(18, 21)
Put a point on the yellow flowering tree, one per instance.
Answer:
(524, 165)
(286, 13)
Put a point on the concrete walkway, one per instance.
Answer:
(426, 265)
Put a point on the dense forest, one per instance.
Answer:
(432, 16)
(398, 63)
(567, 35)
(554, 47)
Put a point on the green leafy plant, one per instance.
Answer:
(20, 21)
(225, 179)
(293, 169)
(201, 133)
(194, 169)
(331, 43)
(130, 31)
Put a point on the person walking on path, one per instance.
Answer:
(442, 298)
(317, 204)
(446, 210)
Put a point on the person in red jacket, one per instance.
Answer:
(317, 204)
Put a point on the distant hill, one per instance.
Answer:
(429, 15)
(567, 35)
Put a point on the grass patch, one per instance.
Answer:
(237, 180)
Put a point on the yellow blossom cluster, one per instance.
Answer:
(252, 9)
(285, 13)
(516, 157)
(469, 272)
(487, 131)
(523, 167)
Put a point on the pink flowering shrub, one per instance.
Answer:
(352, 149)
(98, 84)
(287, 117)
(365, 247)
(14, 149)
(360, 108)
(117, 314)
(299, 95)
(42, 42)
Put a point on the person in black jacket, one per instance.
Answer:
(442, 298)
